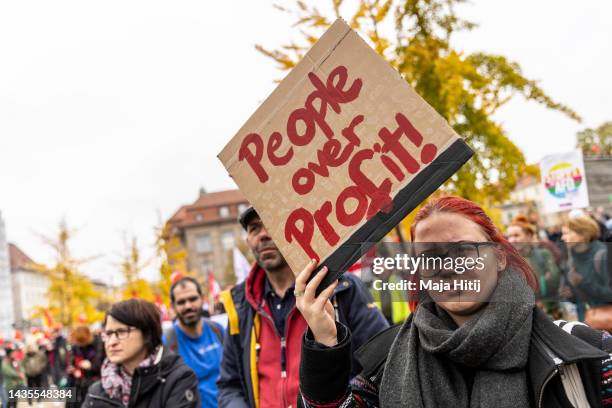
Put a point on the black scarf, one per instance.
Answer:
(432, 363)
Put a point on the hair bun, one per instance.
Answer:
(521, 219)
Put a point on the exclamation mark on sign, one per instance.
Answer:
(392, 143)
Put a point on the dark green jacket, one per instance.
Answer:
(10, 376)
(169, 383)
(594, 288)
(543, 263)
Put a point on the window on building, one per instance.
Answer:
(203, 243)
(227, 240)
(224, 211)
(199, 217)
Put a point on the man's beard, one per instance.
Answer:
(270, 263)
(192, 320)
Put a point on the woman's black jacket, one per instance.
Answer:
(169, 383)
(325, 372)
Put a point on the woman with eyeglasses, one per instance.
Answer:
(490, 348)
(138, 371)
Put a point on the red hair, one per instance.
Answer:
(473, 212)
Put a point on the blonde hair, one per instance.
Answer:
(585, 226)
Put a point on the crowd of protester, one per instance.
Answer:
(571, 264)
(261, 353)
(50, 358)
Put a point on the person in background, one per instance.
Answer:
(554, 233)
(57, 356)
(261, 352)
(138, 371)
(84, 363)
(522, 234)
(34, 366)
(196, 338)
(552, 247)
(604, 233)
(219, 316)
(3, 395)
(12, 376)
(588, 280)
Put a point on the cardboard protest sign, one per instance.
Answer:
(564, 182)
(339, 153)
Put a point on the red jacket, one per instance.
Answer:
(279, 353)
(260, 368)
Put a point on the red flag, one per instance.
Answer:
(176, 276)
(48, 318)
(163, 310)
(213, 287)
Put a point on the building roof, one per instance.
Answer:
(204, 210)
(219, 198)
(18, 259)
(527, 180)
(179, 215)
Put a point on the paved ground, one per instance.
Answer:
(41, 405)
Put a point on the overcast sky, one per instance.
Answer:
(112, 112)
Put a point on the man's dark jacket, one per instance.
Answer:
(354, 308)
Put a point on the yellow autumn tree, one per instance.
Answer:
(72, 297)
(414, 36)
(172, 257)
(131, 268)
(596, 141)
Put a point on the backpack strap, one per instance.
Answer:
(373, 354)
(215, 328)
(230, 308)
(172, 340)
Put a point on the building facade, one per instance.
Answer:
(527, 199)
(6, 296)
(598, 174)
(29, 288)
(209, 230)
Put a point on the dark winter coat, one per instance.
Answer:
(324, 374)
(169, 383)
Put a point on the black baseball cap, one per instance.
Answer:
(246, 216)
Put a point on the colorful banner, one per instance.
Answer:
(564, 182)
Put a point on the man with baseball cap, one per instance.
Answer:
(262, 347)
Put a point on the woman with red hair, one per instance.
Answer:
(490, 347)
(523, 235)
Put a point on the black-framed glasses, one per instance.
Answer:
(121, 333)
(460, 256)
